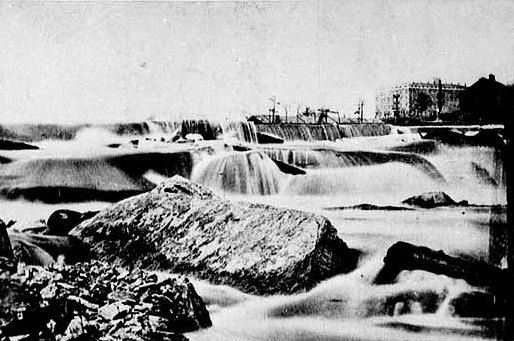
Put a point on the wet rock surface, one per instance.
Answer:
(39, 249)
(265, 138)
(405, 256)
(183, 227)
(15, 145)
(94, 301)
(61, 222)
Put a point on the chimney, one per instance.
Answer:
(492, 78)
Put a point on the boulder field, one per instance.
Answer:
(183, 227)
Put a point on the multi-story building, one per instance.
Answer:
(414, 101)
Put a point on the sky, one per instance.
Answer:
(124, 61)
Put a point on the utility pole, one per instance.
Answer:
(440, 100)
(360, 111)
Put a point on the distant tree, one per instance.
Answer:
(423, 102)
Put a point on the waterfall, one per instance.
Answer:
(365, 129)
(365, 182)
(332, 158)
(302, 132)
(323, 132)
(243, 131)
(208, 129)
(162, 127)
(303, 157)
(239, 172)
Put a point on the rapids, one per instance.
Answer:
(420, 305)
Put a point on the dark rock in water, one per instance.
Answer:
(433, 199)
(15, 145)
(3, 159)
(240, 148)
(92, 301)
(265, 138)
(475, 304)
(287, 168)
(43, 250)
(371, 207)
(61, 222)
(404, 256)
(418, 147)
(483, 175)
(183, 227)
(175, 136)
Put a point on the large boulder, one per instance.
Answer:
(183, 227)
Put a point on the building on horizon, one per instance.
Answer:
(487, 101)
(419, 102)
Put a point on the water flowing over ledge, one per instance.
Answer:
(210, 130)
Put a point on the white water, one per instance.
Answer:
(348, 307)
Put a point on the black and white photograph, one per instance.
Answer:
(256, 170)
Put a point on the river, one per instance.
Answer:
(420, 305)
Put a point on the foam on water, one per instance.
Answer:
(366, 182)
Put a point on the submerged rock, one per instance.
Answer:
(183, 227)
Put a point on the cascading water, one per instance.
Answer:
(416, 305)
(323, 132)
(332, 158)
(239, 172)
(243, 131)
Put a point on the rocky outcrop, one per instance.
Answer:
(182, 227)
(433, 199)
(94, 301)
